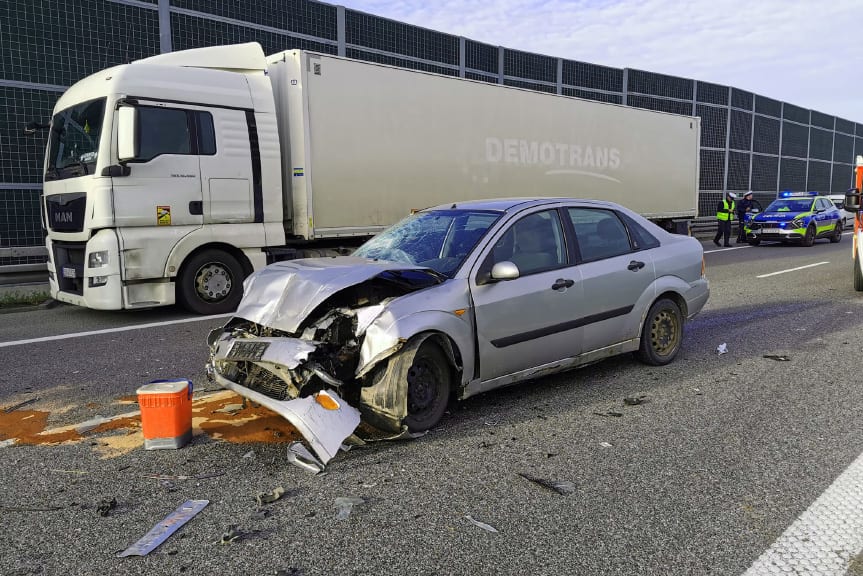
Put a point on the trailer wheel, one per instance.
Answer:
(858, 274)
(661, 334)
(210, 282)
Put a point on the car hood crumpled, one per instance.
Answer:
(282, 295)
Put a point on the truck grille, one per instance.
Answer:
(66, 211)
(69, 266)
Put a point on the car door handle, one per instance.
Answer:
(562, 283)
(635, 265)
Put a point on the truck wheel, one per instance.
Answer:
(858, 274)
(837, 232)
(809, 238)
(210, 282)
(661, 334)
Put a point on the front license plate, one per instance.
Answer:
(69, 272)
(770, 230)
(251, 350)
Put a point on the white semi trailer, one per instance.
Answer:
(172, 178)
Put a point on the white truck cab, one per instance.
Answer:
(161, 172)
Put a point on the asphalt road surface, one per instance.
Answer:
(708, 474)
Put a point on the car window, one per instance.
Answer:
(598, 233)
(534, 243)
(640, 237)
(162, 131)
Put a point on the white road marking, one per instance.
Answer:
(792, 270)
(825, 537)
(726, 249)
(109, 330)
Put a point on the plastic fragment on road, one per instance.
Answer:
(777, 357)
(562, 487)
(605, 444)
(483, 525)
(301, 457)
(722, 348)
(269, 497)
(19, 405)
(345, 505)
(161, 531)
(230, 535)
(635, 400)
(611, 413)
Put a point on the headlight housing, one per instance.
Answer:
(98, 259)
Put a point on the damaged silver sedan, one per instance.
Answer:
(454, 301)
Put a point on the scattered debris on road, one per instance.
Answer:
(635, 400)
(232, 534)
(483, 525)
(345, 505)
(611, 413)
(161, 531)
(105, 506)
(605, 444)
(777, 357)
(19, 405)
(722, 349)
(562, 487)
(269, 497)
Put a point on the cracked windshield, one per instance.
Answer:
(440, 239)
(74, 140)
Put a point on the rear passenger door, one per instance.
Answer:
(617, 274)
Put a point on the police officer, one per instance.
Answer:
(724, 214)
(743, 207)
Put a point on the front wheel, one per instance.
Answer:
(837, 232)
(809, 238)
(754, 241)
(661, 334)
(412, 388)
(210, 282)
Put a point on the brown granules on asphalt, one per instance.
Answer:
(248, 425)
(25, 426)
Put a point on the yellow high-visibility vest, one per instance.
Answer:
(727, 210)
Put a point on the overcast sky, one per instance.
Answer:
(806, 52)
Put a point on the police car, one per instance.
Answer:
(796, 217)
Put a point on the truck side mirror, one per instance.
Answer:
(852, 200)
(127, 133)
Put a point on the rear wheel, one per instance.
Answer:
(210, 282)
(809, 238)
(661, 334)
(837, 232)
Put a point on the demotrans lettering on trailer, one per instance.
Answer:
(553, 155)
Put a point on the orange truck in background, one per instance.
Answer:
(852, 204)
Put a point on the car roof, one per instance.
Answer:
(509, 204)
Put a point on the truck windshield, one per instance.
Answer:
(437, 239)
(73, 143)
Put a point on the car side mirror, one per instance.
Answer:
(852, 200)
(127, 136)
(505, 270)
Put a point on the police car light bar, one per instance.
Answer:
(789, 194)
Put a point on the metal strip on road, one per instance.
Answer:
(110, 330)
(792, 270)
(826, 537)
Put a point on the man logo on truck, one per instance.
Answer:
(62, 217)
(532, 152)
